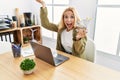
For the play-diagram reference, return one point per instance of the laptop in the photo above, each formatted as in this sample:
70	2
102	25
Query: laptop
44	53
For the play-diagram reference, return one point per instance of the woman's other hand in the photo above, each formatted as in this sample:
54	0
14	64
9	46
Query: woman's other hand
41	2
81	33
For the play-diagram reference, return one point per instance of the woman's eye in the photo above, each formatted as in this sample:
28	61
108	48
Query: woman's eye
65	16
69	17
72	17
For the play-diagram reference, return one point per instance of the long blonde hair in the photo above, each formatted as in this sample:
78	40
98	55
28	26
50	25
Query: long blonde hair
61	25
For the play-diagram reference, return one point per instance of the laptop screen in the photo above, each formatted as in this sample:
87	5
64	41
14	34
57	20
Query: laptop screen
44	53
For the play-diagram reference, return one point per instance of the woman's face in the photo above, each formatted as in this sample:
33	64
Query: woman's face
69	20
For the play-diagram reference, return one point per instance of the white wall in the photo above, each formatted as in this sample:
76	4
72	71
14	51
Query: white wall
7	7
86	8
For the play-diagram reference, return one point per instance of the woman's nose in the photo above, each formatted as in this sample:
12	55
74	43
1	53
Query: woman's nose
69	19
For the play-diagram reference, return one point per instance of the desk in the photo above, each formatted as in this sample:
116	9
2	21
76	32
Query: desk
73	69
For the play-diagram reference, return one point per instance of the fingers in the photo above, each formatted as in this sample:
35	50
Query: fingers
81	33
40	1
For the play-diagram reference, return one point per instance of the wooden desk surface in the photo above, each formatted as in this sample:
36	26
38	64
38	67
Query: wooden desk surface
73	69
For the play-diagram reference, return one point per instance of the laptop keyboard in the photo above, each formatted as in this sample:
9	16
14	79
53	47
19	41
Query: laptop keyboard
56	60
60	58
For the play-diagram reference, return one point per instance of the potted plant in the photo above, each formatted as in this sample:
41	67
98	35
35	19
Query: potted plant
26	39
27	65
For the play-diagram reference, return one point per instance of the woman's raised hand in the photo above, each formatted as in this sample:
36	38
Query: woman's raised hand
41	2
81	33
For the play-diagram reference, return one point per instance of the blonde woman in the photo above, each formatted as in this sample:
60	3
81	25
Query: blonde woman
69	38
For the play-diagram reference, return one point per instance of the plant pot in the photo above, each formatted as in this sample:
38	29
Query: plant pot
29	71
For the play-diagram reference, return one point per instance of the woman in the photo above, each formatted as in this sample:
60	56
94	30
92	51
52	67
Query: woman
70	38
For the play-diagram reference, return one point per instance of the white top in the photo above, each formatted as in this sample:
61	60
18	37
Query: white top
66	40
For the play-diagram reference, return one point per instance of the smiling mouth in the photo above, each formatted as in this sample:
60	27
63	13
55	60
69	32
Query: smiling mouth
69	25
